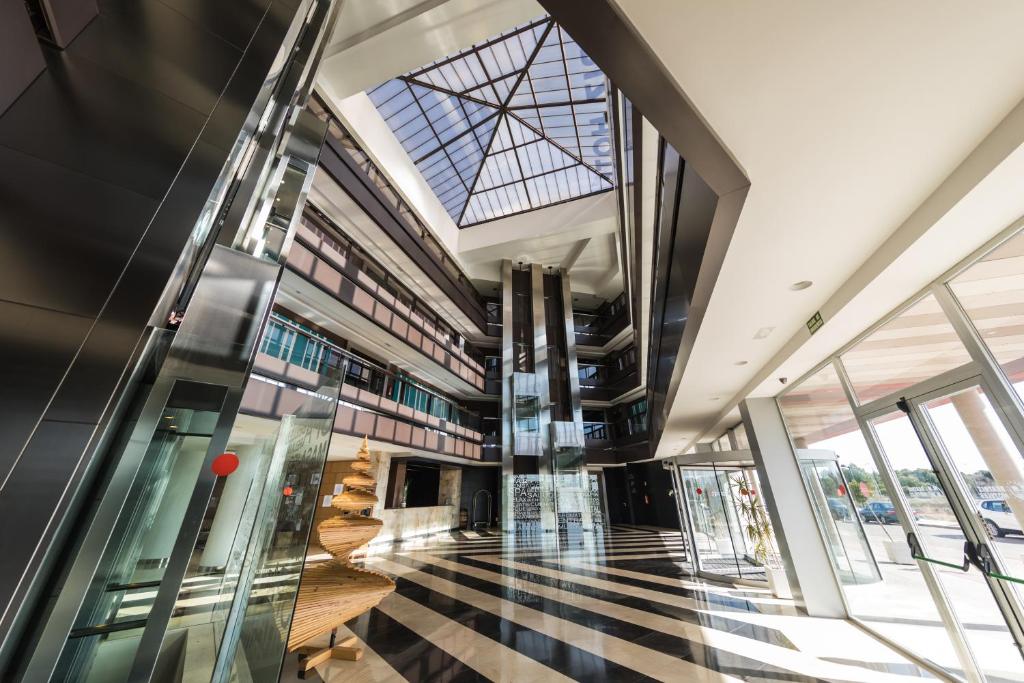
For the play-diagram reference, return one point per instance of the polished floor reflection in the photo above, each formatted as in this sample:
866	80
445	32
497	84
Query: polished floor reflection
616	607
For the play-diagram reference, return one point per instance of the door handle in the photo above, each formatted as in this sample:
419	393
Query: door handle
979	555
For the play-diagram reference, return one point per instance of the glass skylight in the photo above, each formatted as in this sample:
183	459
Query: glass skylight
512	124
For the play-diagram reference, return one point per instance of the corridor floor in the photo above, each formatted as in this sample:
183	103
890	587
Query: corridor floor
618	607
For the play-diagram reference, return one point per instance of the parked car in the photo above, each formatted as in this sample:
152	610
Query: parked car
879	511
998	518
840	512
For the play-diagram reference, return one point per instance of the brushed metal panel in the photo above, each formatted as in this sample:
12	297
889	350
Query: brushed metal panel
28	508
540	365
65	236
76	115
21	60
107	352
67	18
37	346
234	22
218	337
154	46
621	53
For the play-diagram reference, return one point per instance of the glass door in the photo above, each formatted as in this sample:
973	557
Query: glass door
721	505
978	463
949	454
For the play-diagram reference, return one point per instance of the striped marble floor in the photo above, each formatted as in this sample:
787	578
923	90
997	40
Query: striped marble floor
619	607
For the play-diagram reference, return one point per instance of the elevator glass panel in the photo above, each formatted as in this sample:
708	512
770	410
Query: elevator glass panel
105	637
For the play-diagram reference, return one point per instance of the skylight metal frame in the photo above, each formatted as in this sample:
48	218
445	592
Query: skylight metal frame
462	86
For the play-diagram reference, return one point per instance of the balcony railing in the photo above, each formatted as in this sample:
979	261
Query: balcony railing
301	350
612	376
341	139
334	272
601	326
626	430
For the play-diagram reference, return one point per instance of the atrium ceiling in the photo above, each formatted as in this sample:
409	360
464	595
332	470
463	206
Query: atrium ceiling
511	124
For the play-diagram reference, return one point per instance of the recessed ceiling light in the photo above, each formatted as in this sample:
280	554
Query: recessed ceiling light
763	332
803	284
742	362
716	398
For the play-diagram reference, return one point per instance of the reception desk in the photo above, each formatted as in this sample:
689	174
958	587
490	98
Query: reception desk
403	523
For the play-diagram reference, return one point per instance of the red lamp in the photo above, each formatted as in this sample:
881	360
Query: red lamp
224	464
288	490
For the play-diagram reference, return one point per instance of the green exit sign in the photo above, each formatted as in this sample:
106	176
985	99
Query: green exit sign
815	323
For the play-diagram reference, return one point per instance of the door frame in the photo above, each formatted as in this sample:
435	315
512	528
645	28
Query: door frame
909	401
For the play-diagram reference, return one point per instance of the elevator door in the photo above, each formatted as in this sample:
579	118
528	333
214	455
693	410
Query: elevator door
957	460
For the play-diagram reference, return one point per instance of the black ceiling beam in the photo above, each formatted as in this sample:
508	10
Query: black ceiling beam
614	44
504	109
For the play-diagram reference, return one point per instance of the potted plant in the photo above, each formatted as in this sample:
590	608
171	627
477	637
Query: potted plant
758	529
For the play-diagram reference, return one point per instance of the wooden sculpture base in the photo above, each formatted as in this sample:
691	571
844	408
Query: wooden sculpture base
310	657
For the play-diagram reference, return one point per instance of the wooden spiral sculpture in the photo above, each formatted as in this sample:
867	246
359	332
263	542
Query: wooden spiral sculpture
333	592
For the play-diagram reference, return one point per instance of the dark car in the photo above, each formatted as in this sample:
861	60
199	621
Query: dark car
837	506
878	511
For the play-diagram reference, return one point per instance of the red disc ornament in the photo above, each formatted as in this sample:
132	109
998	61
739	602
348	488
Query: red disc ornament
224	464
288	490
699	490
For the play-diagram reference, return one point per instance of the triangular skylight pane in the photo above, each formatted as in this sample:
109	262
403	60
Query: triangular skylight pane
514	123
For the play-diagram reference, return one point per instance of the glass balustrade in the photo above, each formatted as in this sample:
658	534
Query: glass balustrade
296	344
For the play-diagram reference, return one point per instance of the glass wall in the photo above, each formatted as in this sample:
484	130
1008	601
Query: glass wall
917	344
921	470
894	598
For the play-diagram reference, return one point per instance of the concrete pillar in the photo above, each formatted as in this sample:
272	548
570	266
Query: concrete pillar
229	508
804	553
1005	466
450	491
380	469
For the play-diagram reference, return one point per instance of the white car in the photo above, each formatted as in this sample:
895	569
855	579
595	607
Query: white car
999	518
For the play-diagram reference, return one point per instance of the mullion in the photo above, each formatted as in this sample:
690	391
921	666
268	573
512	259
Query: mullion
483	162
476	48
505	102
443	148
490	143
568	103
555	144
525	73
532	177
442	145
568	90
446	91
483	158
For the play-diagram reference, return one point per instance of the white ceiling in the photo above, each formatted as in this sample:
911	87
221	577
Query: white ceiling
846	117
579	235
379	39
